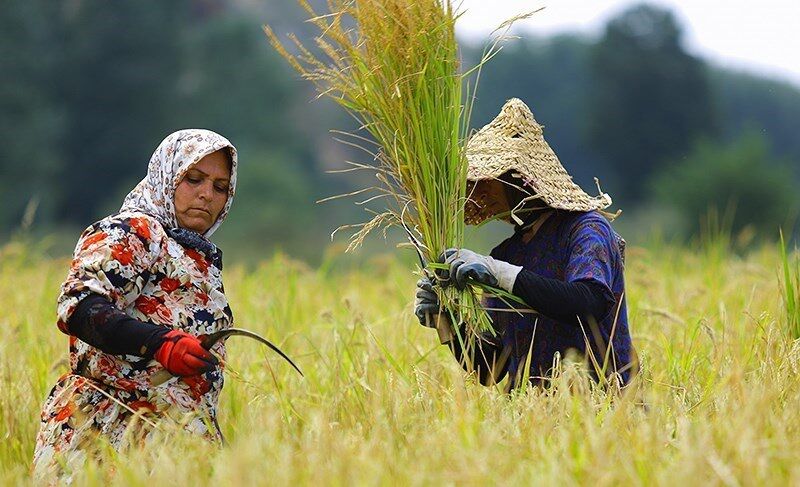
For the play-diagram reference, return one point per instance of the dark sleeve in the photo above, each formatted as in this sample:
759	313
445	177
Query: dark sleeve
102	325
115	254
594	258
485	358
562	301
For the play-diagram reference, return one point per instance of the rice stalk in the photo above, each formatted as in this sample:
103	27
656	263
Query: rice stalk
394	66
790	289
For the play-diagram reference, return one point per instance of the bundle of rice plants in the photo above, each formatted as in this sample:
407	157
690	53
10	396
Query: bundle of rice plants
394	66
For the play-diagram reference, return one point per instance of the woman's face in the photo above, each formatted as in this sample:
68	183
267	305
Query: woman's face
488	198
202	193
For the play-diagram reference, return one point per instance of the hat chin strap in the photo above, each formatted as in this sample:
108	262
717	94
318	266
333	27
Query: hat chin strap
519	206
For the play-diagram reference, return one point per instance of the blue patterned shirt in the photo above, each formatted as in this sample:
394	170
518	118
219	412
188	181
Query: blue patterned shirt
571	247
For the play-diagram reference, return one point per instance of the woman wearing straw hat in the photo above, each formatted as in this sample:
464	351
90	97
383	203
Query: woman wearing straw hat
144	285
563	260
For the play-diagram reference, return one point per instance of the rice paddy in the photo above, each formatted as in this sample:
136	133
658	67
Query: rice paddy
383	403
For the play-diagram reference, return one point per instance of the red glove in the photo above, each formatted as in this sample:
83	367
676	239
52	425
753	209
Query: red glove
182	354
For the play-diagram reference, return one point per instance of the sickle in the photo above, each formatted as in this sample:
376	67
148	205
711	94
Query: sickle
210	340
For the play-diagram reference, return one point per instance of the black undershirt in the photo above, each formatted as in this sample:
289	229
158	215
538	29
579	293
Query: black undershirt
102	325
566	302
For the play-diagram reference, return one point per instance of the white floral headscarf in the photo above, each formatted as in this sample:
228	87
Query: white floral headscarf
155	194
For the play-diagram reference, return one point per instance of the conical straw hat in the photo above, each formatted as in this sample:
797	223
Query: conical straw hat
514	142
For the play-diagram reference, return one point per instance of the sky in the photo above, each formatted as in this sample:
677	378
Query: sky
761	36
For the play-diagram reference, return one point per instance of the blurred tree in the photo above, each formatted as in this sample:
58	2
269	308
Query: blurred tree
551	75
741	176
116	79
233	82
31	116
87	90
747	101
648	99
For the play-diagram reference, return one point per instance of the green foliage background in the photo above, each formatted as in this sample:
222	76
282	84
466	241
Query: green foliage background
89	88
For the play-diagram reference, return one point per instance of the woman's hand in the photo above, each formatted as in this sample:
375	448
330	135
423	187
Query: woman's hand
429	312
466	265
426	304
182	354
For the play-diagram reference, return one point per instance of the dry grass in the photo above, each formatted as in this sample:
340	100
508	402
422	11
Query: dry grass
382	403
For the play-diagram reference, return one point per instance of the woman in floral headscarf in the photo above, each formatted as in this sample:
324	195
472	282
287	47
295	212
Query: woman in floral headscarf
144	284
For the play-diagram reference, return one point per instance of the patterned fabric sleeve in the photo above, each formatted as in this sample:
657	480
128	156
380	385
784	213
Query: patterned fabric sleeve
112	259
593	255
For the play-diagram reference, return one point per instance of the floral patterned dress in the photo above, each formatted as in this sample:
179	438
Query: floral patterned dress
132	260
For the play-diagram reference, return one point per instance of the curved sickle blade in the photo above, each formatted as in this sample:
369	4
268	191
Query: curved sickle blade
209	340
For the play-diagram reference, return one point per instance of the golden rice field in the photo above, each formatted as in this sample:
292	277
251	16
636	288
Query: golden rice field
717	402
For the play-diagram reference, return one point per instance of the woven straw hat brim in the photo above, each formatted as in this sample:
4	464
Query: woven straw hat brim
514	142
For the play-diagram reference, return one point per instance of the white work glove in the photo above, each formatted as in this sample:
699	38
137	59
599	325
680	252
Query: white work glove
466	265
